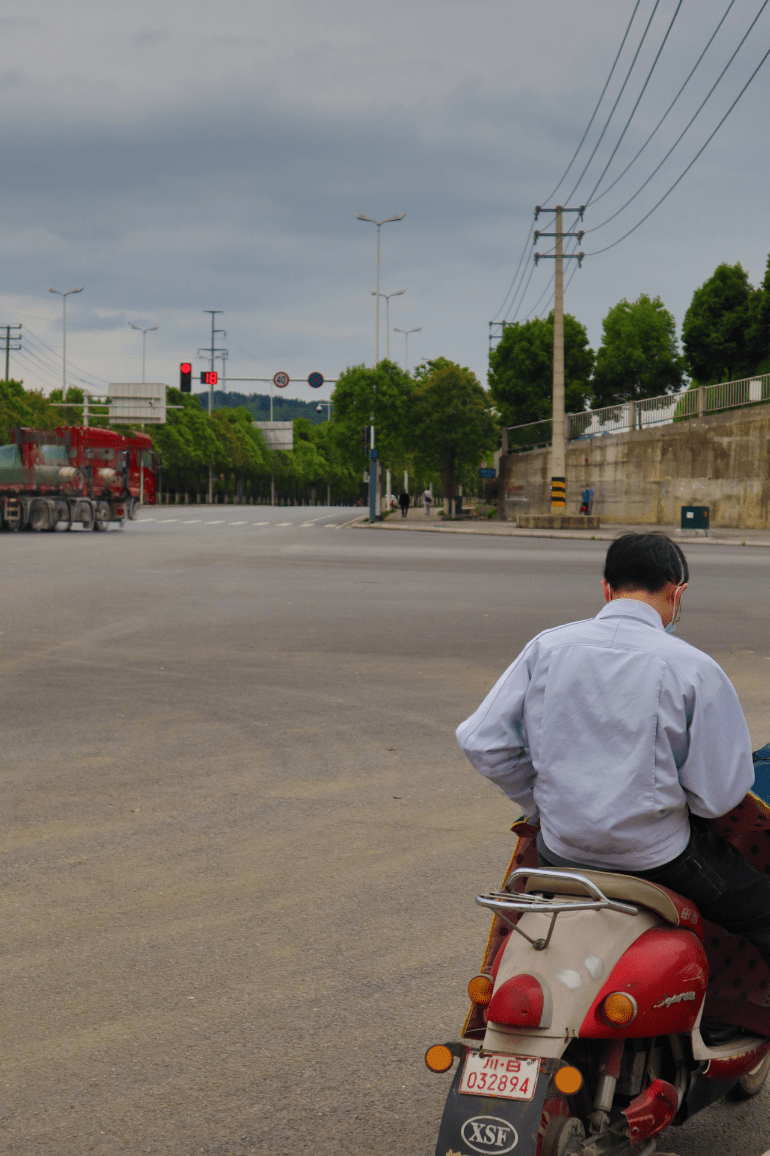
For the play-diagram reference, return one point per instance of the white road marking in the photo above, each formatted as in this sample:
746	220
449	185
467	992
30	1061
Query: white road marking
236	523
216	522
284	523
162	519
190	521
260	523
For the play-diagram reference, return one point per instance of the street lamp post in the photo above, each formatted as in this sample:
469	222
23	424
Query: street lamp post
64	297
372	452
406	333
387	297
379	224
144	332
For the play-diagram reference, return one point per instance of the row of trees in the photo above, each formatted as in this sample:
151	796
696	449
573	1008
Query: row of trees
436	424
725	335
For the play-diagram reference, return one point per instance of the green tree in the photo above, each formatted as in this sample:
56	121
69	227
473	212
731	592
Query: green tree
27	407
454	425
521	370
386	395
715	329
758	329
639	356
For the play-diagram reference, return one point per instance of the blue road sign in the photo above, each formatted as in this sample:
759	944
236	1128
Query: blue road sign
315	380
373	454
486	473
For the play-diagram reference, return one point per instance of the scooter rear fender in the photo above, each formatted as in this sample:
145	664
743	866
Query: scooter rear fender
583	950
491	1125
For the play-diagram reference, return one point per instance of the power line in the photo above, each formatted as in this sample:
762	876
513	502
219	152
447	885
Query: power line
513	281
516	278
593	200
58	358
617	100
692	162
638	99
687	127
524	294
552	194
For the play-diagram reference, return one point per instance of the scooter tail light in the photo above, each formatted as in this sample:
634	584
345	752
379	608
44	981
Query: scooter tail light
522	1001
480	989
619	1009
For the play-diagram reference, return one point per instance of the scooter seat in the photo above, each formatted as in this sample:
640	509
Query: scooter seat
667	904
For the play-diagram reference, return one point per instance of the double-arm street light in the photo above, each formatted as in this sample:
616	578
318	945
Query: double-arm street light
387	297
406	333
64	297
144	332
379	224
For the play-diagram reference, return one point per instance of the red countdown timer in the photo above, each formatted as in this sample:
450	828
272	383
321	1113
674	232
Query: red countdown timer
209	377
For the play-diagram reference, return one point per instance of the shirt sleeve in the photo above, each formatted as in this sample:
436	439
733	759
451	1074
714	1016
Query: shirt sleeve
494	737
718	770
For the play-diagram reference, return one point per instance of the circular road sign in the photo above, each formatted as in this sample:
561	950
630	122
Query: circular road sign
281	379
315	380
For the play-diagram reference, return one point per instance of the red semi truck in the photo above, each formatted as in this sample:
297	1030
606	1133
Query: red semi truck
74	474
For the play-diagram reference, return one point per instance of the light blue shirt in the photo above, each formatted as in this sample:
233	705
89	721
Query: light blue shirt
613	731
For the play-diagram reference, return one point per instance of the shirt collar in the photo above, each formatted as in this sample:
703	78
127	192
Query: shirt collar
632	608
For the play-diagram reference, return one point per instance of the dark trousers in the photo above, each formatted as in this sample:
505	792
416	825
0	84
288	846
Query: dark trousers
724	887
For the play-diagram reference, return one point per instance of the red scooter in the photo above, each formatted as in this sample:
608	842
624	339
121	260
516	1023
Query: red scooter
605	1011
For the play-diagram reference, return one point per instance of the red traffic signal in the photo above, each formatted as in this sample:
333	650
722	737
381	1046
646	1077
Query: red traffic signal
209	377
185	377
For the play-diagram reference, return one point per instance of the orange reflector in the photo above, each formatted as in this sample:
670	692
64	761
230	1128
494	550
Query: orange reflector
568	1081
439	1058
619	1008
480	989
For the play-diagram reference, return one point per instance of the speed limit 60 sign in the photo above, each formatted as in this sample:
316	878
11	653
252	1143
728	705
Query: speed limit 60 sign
281	379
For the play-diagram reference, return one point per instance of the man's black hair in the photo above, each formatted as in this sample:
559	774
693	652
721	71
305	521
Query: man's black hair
645	562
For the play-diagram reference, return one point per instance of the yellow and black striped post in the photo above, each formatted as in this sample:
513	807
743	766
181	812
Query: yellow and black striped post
558	494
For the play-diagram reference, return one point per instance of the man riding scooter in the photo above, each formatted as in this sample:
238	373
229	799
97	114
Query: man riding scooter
623	741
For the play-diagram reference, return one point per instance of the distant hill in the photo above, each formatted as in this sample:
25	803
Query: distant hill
284	408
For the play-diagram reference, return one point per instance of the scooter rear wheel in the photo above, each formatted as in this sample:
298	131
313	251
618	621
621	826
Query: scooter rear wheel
753	1082
564	1135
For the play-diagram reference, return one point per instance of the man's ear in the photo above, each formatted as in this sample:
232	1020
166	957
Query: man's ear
607	590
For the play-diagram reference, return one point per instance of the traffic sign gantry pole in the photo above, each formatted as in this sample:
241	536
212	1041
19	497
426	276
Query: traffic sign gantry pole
558	441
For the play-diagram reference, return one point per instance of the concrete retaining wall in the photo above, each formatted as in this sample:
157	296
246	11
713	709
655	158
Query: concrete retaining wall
646	476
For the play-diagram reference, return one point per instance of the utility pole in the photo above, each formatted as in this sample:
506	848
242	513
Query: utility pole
558	440
212	351
8	346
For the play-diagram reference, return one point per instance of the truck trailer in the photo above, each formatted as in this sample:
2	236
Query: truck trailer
92	476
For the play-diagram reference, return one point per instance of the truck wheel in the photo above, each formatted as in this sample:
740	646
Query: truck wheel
62	514
39	516
753	1082
101	516
84	513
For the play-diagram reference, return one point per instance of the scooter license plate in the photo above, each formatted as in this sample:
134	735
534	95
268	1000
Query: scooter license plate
491	1074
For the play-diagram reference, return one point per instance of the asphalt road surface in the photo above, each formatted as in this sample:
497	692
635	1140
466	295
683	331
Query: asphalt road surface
240	845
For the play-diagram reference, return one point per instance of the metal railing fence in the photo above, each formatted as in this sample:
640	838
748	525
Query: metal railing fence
648	411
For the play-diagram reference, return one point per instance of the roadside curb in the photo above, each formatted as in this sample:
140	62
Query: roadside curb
515	532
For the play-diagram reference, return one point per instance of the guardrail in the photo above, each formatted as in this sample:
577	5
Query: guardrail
649	411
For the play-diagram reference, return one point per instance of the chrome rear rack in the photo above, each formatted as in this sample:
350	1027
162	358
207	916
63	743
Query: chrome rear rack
506	903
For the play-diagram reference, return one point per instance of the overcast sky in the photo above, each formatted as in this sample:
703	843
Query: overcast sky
176	156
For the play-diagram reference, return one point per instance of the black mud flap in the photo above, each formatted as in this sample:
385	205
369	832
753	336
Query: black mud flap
490	1125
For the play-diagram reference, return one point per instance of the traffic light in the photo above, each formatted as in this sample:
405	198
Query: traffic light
185	377
209	377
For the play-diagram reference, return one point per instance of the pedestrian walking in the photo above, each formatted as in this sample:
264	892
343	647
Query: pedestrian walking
403	501
588	500
427	501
